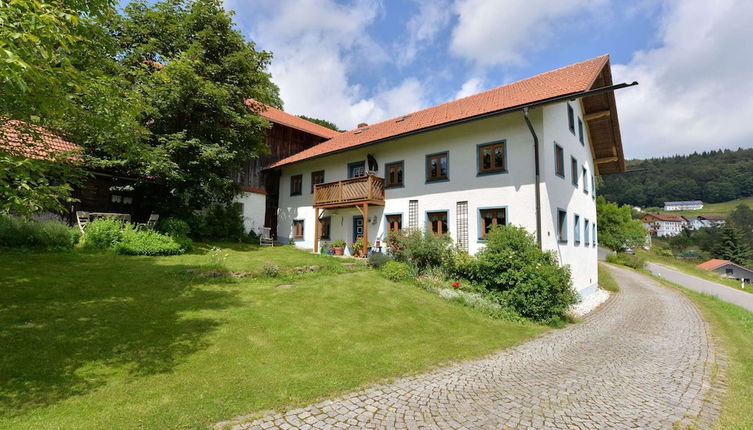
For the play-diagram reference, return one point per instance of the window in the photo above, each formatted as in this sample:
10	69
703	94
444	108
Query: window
394	172
413	214
492	158
438	222
728	271
394	222
580	132
570	118
593	186
574	169
357	169
491	218
317	178
324	227
559	161
298	229
561	225
586	232
593	227
296	184
576	228
585	180
437	168
461	224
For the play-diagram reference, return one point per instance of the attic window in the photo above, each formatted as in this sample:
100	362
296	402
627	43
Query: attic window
361	130
402	118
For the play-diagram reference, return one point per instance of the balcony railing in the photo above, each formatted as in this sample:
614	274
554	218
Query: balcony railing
348	192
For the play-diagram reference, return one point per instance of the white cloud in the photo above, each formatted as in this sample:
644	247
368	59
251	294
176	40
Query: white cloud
470	87
432	17
694	91
499	32
318	45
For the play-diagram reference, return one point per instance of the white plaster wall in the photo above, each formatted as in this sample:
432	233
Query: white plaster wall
560	193
513	189
254	208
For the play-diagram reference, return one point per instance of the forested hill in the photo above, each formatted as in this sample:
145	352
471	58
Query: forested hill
714	176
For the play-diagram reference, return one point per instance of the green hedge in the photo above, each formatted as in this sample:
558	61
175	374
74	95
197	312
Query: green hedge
110	234
49	234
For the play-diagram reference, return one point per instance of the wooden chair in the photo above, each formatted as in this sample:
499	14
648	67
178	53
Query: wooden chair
150	223
83	219
266	237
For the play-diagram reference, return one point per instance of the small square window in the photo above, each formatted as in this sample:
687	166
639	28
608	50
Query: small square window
394	174
394	222
574	169
296	184
580	132
298	229
324	227
316	178
559	161
492	158
576	228
491	218
437	167
438	222
570	118
561	225
593	228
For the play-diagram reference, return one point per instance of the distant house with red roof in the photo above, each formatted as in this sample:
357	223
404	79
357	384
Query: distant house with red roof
664	225
525	153
728	269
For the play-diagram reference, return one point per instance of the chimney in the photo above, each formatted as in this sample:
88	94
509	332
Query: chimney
362	125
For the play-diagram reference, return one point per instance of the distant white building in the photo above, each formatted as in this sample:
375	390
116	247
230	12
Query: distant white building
663	225
702	221
683	206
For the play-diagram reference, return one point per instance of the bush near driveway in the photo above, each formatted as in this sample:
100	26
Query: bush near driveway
514	271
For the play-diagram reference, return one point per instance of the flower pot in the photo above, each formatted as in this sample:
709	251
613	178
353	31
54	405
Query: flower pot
338	250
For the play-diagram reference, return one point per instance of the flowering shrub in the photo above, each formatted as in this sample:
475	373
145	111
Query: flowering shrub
420	249
456	284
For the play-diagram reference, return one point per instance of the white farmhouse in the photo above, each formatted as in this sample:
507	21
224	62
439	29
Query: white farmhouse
692	205
525	153
663	225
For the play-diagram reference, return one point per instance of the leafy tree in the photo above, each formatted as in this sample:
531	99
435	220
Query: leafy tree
742	218
322	122
55	58
195	71
732	246
617	228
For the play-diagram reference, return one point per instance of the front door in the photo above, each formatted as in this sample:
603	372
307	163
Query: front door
357	227
357	169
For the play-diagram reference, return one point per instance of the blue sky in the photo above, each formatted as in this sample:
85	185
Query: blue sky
351	61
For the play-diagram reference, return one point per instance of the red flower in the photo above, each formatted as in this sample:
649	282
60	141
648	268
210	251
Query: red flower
455	284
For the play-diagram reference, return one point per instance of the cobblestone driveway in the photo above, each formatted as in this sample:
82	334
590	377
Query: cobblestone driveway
643	360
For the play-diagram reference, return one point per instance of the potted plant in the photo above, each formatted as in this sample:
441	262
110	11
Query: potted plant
323	248
357	247
338	246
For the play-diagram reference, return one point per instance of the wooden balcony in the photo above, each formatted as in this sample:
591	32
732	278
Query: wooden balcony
367	190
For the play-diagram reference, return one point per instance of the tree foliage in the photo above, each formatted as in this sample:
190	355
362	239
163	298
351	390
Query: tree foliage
195	71
617	228
322	122
714	176
732	246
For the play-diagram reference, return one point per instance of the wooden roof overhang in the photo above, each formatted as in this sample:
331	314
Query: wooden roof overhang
603	126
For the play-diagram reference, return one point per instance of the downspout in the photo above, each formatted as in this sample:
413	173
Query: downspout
537	173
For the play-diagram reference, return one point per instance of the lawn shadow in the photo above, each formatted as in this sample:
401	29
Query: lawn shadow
203	248
69	321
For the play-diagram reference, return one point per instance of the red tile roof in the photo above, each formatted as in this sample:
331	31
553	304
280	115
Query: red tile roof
712	264
566	80
27	140
279	117
666	217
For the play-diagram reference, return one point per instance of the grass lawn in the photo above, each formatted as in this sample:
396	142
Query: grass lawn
689	268
606	281
93	341
732	327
